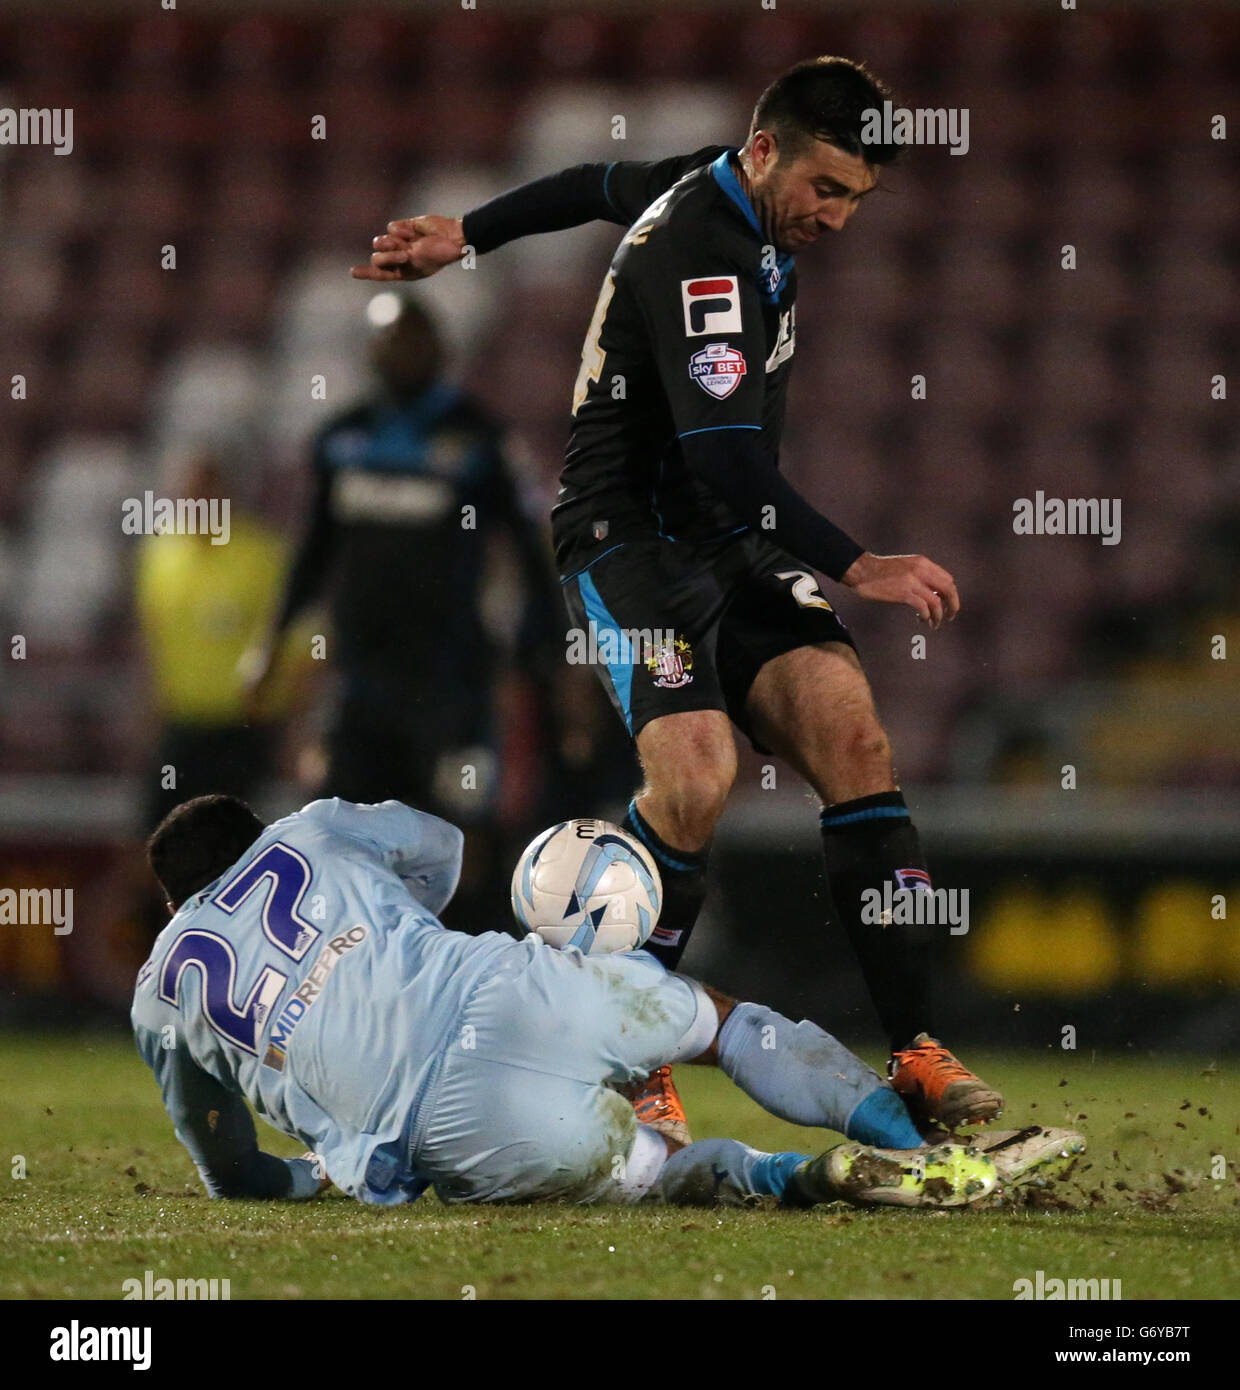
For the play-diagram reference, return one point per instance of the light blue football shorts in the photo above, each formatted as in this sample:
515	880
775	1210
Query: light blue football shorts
521	1111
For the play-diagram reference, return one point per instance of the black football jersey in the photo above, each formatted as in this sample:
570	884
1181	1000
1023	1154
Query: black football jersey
693	331
394	480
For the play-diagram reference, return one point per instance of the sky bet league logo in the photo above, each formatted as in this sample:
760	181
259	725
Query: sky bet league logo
717	369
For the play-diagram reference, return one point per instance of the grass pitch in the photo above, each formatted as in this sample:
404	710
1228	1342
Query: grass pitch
109	1193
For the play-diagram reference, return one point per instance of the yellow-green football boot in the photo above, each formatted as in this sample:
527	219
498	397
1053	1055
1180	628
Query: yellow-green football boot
947	1175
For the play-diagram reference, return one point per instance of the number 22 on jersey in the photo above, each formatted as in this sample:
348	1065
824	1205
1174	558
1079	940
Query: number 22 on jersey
283	876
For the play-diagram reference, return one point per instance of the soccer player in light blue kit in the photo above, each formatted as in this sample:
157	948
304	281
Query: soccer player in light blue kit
305	971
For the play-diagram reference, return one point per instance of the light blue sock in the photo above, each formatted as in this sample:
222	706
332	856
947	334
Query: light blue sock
802	1074
882	1119
723	1171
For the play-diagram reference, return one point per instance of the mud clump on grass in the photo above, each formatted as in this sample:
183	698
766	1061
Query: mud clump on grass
1149	1200
1043	1199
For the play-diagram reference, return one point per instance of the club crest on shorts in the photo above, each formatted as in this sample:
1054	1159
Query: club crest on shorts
717	368
671	664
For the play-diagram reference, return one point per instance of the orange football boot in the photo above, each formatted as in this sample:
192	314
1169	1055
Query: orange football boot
656	1103
939	1092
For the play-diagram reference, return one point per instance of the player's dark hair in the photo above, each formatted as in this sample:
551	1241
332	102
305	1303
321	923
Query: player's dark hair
824	99
197	840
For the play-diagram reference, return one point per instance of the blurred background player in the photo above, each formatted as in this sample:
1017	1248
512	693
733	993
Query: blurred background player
411	489
200	606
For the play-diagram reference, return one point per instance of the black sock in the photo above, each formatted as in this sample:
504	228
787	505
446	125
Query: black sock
866	842
684	888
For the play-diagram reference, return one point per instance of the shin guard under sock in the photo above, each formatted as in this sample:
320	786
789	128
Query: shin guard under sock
869	842
684	888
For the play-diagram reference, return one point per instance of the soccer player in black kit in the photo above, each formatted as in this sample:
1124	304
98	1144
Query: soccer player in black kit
673	518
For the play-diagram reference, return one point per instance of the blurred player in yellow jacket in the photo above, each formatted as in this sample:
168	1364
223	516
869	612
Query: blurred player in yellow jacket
202	600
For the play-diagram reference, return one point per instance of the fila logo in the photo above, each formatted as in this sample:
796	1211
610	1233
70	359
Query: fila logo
711	306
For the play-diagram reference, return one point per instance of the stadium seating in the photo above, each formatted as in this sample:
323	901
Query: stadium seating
198	134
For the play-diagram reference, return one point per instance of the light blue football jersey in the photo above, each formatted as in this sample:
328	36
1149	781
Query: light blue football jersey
314	979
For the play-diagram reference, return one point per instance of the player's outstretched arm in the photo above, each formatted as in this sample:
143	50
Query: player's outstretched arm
217	1128
413	248
721	434
734	464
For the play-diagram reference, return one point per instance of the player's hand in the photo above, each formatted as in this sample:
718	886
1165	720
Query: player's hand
927	588
413	248
324	1181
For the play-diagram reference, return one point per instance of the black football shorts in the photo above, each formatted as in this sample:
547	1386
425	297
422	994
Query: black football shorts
679	625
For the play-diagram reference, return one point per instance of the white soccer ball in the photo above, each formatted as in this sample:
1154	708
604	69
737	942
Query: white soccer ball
589	884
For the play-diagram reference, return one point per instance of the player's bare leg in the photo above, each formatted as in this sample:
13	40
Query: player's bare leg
813	707
689	762
815	704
